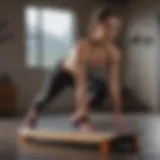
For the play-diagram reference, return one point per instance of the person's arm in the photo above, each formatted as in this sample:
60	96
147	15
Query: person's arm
114	80
80	79
114	87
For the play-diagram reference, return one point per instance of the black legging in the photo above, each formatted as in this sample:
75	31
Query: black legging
59	79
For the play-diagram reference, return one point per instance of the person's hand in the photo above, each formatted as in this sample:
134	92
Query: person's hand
83	123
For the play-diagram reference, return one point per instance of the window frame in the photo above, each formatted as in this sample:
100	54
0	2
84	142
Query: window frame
39	43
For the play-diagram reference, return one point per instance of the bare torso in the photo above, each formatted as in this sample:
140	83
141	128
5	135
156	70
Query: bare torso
96	56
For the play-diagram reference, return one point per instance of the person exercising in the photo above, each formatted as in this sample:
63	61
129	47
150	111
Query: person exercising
96	53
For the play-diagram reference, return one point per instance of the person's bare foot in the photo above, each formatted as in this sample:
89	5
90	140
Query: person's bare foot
31	119
83	123
87	127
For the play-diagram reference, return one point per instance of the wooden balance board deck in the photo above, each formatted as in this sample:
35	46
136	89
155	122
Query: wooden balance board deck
106	142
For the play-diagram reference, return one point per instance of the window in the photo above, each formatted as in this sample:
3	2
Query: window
50	33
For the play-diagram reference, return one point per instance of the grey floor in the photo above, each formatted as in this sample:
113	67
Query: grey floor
147	127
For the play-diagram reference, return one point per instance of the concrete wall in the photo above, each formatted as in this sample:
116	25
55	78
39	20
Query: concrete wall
12	53
141	60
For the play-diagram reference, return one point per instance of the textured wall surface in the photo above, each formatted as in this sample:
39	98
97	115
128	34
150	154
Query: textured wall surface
141	58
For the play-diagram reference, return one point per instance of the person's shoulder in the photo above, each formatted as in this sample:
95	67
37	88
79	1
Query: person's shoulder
82	48
114	53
